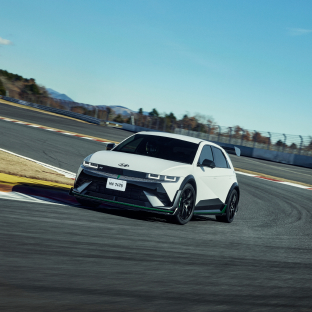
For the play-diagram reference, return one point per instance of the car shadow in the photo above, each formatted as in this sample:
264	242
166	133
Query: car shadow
58	195
140	215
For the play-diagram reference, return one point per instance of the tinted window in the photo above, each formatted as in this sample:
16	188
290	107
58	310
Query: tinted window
219	158
159	147
206	153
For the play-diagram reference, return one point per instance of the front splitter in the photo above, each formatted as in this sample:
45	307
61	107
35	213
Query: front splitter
168	211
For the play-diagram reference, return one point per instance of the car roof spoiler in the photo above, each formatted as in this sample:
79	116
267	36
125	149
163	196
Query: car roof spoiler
231	149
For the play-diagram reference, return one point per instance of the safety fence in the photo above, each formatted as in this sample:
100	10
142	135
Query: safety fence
285	143
280	142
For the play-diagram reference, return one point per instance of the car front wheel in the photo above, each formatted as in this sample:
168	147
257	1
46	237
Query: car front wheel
186	205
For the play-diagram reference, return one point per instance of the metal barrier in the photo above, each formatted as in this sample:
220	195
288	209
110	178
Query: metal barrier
55	110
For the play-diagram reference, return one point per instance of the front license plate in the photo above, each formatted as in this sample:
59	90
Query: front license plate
115	184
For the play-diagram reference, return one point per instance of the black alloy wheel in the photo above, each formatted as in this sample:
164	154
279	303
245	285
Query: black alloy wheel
231	208
186	205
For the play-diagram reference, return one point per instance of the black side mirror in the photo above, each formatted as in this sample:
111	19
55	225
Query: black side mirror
110	146
208	163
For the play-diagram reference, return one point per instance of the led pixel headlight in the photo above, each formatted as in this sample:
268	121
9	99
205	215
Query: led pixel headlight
90	164
162	177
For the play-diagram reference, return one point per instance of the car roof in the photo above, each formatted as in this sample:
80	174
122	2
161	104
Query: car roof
177	136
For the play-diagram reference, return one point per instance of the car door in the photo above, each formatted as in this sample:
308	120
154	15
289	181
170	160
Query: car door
223	174
207	198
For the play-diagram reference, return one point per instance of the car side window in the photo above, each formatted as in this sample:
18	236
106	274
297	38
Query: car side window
206	153
219	158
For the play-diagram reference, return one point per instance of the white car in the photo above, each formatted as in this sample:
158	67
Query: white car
175	175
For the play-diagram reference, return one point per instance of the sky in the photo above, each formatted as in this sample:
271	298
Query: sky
246	63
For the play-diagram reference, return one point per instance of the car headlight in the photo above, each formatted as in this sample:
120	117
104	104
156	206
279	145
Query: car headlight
86	162
162	177
90	164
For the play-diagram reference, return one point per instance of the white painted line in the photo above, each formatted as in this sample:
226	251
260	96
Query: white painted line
27	198
295	185
54	130
246	174
66	173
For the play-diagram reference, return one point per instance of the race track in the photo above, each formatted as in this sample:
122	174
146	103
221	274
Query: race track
59	257
15	139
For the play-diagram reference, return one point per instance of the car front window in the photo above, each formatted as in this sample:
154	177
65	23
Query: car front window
159	147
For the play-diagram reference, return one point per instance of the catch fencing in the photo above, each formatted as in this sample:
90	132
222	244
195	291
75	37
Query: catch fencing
279	142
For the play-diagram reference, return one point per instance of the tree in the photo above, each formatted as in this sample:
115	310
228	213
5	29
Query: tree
154	113
171	116
280	143
118	118
140	111
238	132
33	88
2	88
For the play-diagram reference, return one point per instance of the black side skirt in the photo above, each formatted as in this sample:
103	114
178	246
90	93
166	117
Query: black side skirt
209	206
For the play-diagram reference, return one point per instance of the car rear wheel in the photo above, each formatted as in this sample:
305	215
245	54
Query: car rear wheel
231	208
186	205
87	203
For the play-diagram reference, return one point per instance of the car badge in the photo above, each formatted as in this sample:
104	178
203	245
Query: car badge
123	165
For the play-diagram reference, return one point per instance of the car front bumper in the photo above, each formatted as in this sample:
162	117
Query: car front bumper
139	194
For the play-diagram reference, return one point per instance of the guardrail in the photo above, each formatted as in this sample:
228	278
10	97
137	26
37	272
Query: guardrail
55	110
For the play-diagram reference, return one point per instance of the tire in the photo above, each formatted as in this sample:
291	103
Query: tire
186	205
87	203
231	208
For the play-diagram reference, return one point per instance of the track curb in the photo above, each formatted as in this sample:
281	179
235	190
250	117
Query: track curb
58	130
34	187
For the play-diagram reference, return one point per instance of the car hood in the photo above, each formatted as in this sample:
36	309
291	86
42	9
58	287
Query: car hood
136	162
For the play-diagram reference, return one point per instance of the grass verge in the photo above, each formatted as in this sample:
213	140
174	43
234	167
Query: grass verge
12	165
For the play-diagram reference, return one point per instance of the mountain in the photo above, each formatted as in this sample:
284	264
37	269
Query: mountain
124	111
57	95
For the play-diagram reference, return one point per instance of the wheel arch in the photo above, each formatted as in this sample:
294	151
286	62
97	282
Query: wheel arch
191	180
233	187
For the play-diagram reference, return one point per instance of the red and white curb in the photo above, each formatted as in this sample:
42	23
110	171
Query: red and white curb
72	175
274	180
54	130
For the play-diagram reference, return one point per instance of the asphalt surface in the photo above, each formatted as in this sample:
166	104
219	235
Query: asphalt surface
62	123
24	136
66	258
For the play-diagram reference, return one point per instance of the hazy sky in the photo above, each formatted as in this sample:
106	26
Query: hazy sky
242	62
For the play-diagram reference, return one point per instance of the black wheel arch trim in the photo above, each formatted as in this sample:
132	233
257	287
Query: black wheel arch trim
189	179
234	186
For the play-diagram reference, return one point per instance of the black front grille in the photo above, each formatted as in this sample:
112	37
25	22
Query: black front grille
110	169
133	194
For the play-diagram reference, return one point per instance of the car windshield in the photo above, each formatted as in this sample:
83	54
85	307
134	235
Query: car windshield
159	147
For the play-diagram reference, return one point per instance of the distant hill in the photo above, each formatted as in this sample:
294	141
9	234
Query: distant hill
57	95
124	111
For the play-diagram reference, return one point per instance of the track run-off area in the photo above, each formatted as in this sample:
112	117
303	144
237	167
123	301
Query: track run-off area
67	257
